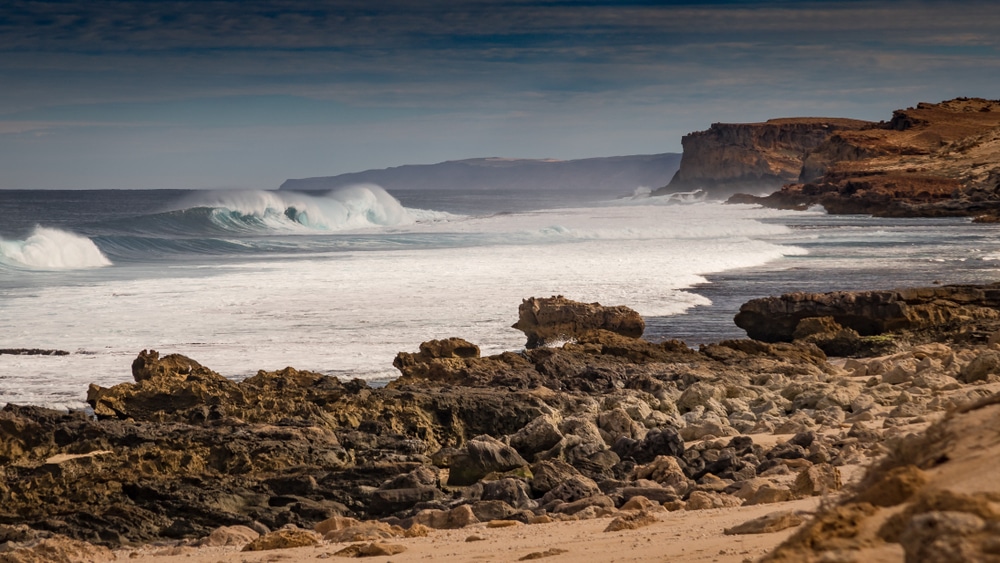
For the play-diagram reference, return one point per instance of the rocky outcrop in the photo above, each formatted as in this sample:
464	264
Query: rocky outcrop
782	319
605	423
757	157
932	160
928	497
559	319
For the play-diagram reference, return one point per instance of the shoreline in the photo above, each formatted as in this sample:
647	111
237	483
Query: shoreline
531	449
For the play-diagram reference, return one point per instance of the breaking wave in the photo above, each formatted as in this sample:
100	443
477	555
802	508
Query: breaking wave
352	208
52	249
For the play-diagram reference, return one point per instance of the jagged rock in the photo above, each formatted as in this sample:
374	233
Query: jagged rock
491	510
816	480
539	435
774	319
948	537
632	521
513	492
767	524
657	442
230	536
980	368
666	471
483	455
552	319
371	549
701	500
55	549
592	503
549	474
283	539
363	531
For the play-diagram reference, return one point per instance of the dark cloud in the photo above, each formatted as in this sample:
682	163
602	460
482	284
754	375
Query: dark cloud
399	81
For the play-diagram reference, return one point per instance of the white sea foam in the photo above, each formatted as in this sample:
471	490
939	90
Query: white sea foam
355	207
52	249
349	313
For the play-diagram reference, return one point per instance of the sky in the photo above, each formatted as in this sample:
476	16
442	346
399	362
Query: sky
246	93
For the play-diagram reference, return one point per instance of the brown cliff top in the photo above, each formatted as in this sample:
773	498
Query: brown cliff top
929	160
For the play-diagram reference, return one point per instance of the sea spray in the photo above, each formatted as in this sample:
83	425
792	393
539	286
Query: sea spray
52	249
351	208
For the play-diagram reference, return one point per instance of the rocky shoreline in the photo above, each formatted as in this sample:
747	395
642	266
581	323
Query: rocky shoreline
606	426
931	160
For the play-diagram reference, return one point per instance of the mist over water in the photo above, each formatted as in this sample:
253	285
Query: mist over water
340	282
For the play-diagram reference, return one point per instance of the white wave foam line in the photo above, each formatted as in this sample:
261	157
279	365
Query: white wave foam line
52	249
355	207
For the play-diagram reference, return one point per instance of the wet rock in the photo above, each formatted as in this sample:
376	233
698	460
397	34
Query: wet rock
574	488
546	320
384	502
487	510
945	537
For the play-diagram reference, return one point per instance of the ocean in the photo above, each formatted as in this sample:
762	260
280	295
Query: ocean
340	282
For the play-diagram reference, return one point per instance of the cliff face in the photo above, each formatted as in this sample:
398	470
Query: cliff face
612	174
731	157
932	160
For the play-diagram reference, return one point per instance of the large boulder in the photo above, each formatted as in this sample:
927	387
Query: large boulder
547	320
482	455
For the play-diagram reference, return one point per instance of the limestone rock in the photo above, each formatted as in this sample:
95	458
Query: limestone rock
769	523
230	536
546	320
55	549
283	539
483	455
362	531
774	319
631	521
701	500
372	549
817	480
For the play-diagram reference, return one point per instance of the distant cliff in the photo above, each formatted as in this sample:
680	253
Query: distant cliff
612	174
932	160
733	157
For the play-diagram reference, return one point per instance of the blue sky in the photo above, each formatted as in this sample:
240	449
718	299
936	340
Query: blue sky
226	93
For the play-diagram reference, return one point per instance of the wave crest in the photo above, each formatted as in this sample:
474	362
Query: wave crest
52	249
356	207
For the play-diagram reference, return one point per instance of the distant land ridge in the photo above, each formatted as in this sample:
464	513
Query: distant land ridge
617	173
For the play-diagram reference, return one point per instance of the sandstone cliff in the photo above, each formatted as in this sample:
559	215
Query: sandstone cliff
731	157
932	160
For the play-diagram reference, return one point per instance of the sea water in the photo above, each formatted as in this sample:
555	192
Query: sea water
340	282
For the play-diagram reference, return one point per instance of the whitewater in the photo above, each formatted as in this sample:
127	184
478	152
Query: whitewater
340	282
